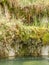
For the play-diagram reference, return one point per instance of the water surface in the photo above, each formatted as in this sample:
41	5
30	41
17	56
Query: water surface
25	61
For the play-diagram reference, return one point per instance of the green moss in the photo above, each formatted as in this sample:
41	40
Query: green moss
46	38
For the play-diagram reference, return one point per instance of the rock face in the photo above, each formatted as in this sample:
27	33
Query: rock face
45	50
11	53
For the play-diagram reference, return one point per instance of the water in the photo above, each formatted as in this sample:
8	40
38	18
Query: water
24	61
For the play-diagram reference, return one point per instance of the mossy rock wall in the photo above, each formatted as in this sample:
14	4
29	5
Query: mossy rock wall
24	27
22	40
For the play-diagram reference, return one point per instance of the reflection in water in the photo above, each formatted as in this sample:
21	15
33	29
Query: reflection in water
24	61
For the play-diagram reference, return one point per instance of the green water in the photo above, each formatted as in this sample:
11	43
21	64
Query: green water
24	61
